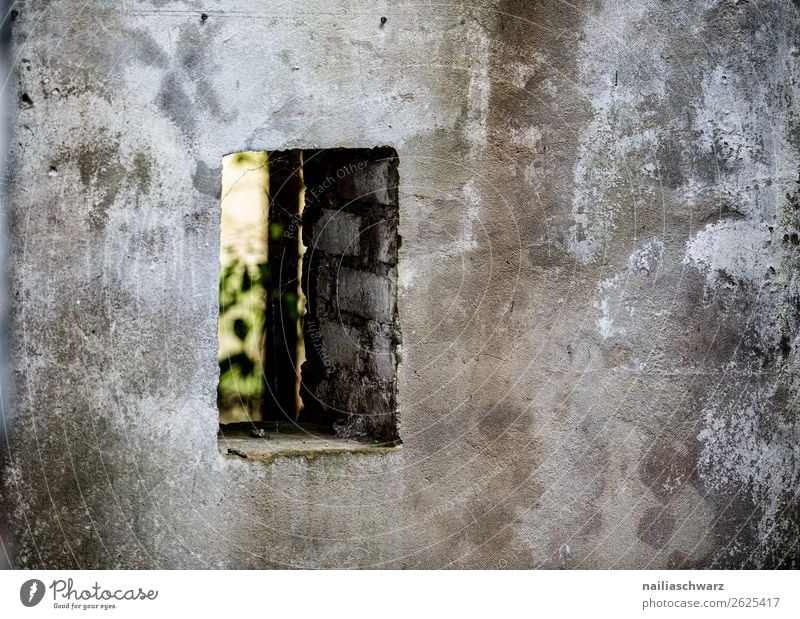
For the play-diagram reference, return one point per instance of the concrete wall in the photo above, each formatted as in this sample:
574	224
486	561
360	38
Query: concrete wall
597	284
5	399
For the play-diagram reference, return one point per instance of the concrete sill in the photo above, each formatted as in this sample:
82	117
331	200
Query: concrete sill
266	441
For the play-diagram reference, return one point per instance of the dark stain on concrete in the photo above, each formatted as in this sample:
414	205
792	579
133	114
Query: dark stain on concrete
175	103
656	526
94	158
147	51
207	180
143	170
193	51
207	97
671	160
102	174
666	468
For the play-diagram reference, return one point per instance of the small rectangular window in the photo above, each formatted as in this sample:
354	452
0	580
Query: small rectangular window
308	328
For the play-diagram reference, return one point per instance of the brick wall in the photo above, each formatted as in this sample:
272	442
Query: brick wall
350	280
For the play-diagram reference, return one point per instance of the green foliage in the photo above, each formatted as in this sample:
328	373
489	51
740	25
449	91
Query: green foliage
241	333
275	231
250	159
290	306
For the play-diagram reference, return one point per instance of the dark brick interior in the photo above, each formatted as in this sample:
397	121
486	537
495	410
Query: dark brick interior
350	281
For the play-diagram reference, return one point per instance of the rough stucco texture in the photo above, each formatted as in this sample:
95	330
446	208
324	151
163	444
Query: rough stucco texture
598	284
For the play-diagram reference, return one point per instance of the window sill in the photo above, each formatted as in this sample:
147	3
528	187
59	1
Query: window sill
266	441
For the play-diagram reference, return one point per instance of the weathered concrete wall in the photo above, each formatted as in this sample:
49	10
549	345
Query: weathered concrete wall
598	287
5	395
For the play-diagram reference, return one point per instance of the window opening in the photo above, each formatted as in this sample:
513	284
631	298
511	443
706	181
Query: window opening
308	326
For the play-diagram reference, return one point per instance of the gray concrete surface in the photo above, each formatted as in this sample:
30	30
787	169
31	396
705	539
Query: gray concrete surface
598	283
5	392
